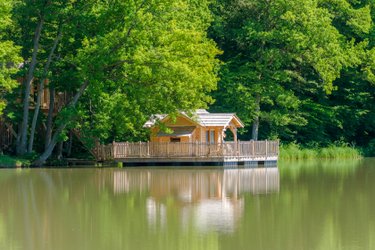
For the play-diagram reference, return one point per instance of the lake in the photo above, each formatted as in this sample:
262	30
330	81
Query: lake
298	205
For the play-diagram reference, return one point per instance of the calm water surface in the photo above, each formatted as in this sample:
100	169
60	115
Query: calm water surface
297	206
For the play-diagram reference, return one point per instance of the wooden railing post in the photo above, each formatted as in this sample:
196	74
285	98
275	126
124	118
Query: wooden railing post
114	149
252	147
278	147
266	148
125	147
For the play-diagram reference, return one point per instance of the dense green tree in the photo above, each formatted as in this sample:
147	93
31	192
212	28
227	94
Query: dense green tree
9	53
348	113
283	61
40	26
150	56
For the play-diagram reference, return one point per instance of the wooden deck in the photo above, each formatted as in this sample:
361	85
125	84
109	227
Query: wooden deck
158	153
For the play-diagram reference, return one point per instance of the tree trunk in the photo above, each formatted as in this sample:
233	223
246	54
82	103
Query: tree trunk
255	129
50	116
41	89
60	150
48	151
21	147
70	144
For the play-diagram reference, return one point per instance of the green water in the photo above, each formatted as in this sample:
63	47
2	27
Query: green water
310	205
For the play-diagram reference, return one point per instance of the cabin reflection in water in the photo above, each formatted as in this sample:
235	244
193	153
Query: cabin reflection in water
210	199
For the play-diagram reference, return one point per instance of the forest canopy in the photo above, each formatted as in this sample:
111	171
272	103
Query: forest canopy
301	70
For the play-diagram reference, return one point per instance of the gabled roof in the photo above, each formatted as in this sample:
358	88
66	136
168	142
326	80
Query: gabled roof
203	118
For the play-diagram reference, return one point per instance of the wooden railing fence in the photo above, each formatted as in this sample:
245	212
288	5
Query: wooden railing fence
121	150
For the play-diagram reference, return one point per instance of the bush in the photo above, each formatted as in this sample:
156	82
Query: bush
370	149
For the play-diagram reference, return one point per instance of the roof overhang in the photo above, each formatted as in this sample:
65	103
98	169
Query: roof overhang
177	131
236	121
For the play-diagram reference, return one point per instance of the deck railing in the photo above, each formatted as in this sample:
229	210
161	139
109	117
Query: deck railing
122	150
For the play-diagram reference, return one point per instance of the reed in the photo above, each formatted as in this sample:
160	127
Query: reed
294	151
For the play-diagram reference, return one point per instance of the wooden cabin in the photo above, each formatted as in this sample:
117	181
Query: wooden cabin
198	138
201	126
60	99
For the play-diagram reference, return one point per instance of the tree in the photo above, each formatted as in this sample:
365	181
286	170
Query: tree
9	53
156	59
273	52
346	115
40	22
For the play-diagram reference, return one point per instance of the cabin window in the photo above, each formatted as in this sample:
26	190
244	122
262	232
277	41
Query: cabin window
175	139
210	136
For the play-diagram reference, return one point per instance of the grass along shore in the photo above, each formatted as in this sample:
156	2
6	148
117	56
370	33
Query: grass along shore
13	162
295	152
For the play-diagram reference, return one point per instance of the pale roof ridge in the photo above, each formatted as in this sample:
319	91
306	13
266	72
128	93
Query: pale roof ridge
202	116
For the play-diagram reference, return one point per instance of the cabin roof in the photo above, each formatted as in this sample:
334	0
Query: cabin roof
203	118
218	119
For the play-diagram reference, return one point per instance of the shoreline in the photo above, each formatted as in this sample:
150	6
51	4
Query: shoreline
288	152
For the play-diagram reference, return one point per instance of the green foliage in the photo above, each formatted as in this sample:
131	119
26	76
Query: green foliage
161	61
136	58
369	150
272	48
10	162
9	53
310	63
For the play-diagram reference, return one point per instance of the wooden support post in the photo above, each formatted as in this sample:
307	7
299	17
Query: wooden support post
266	148
126	149
253	148
148	148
